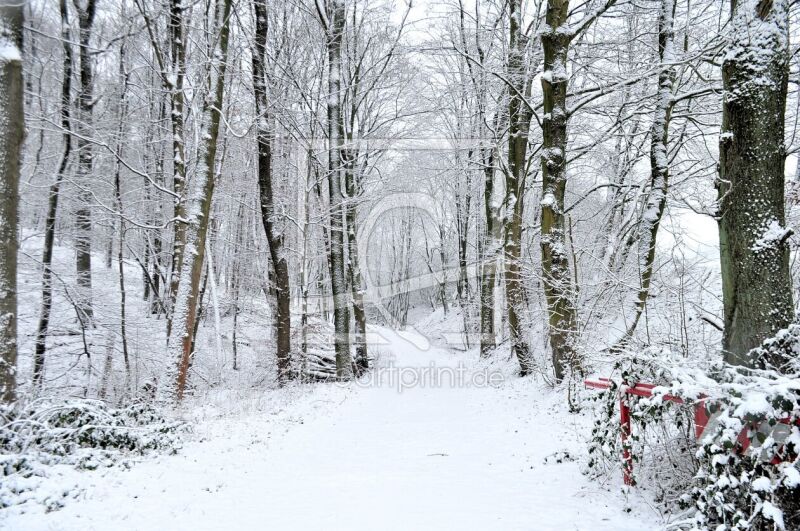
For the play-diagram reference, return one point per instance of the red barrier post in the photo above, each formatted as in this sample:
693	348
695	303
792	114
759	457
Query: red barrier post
625	433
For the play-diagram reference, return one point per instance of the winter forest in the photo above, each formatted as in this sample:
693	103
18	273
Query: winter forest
395	264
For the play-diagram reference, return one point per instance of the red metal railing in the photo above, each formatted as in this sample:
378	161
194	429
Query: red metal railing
643	390
701	420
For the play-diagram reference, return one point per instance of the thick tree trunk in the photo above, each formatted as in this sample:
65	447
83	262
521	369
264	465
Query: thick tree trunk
52	204
268	211
83	215
518	127
198	214
12	132
756	284
556	273
341	298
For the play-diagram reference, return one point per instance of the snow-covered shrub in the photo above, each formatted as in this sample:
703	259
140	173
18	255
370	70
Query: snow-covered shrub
758	488
85	434
661	442
744	467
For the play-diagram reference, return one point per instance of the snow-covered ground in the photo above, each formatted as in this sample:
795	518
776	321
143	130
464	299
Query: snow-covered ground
419	444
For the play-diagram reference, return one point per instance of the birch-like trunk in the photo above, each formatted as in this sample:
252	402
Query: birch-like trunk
756	284
198	214
12	132
175	85
264	136
491	248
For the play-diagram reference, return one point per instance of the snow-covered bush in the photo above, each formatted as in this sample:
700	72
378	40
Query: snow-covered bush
758	488
743	472
661	443
85	434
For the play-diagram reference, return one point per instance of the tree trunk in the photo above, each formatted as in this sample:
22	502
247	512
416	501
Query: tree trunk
118	196
443	261
659	163
174	84
756	284
305	279
463	207
52	204
198	214
356	284
492	244
334	21
518	125
556	273
264	137
83	216
12	132
156	296
200	313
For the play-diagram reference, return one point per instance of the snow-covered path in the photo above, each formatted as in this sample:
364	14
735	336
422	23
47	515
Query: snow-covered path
364	457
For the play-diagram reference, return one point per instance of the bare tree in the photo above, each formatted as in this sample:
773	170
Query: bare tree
332	16
264	135
83	216
519	118
181	337
659	160
52	204
557	275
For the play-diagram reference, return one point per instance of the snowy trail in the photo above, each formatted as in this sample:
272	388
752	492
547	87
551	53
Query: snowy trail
364	457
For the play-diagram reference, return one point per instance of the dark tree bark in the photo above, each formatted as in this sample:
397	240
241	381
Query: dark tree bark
121	222
557	275
519	117
756	284
174	83
334	21
12	133
83	215
264	136
158	275
172	69
354	269
52	205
